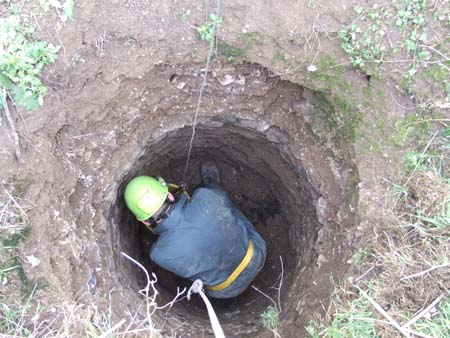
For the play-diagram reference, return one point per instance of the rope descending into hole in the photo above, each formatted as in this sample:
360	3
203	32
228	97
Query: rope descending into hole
212	43
197	287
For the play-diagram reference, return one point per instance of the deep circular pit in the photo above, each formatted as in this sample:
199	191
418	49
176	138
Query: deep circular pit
292	205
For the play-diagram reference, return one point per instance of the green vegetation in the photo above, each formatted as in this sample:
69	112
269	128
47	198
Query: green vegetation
431	208
269	318
359	45
15	287
249	39
67	7
245	41
279	56
21	63
404	269
338	116
402	32
229	51
360	258
353	318
206	30
11	320
22	58
437	327
412	125
365	43
10	264
433	160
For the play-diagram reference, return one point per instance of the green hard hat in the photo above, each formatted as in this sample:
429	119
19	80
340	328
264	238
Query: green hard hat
144	195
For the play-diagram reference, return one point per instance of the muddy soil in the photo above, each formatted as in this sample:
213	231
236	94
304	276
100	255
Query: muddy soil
121	102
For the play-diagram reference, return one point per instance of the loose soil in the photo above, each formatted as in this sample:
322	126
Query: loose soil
121	103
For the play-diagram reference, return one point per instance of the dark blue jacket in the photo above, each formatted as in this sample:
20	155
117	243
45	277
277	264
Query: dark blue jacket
206	239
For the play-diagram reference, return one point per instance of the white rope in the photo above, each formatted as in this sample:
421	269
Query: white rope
197	287
205	76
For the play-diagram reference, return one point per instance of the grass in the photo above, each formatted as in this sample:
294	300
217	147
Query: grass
403	283
353	318
360	258
438	326
10	264
14	228
269	318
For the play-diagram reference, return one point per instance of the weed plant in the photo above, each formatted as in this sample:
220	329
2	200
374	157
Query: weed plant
206	30
403	33
22	58
21	64
269	318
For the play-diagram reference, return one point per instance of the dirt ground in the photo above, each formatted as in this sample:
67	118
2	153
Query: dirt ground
121	102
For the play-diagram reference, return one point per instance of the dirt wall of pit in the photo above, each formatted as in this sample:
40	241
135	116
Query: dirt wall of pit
319	176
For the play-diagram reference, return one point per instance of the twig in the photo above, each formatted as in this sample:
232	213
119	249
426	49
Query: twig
149	301
21	323
64	48
278	303
446	58
265	295
444	66
391	61
365	273
281	284
174	300
8	9
391	320
114	328
128	332
132	318
15	137
152	306
24	214
425	271
422	313
275	333
427	120
20	113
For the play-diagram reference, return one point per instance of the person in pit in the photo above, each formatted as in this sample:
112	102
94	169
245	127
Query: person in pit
204	237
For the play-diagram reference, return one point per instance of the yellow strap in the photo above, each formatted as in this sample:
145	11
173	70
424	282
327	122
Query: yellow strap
241	267
176	187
